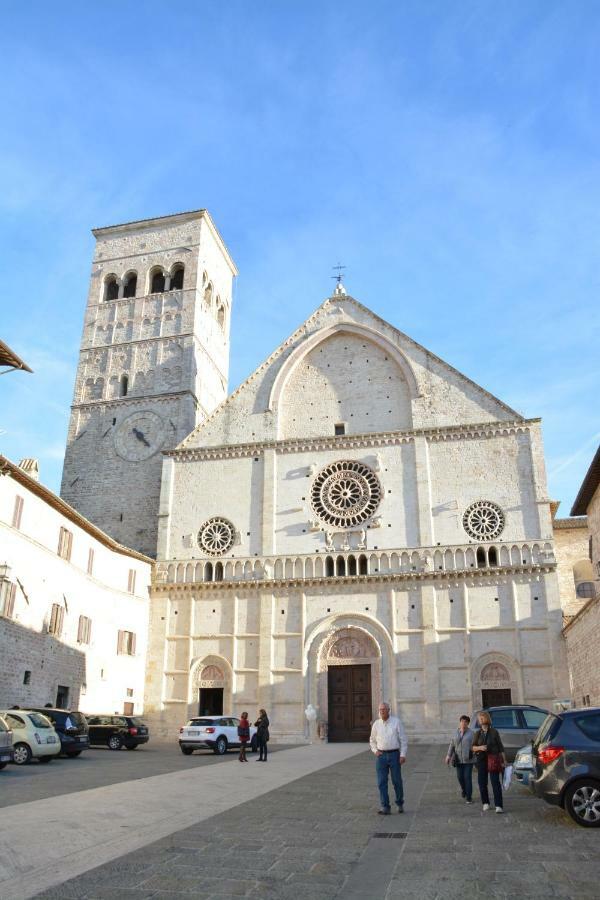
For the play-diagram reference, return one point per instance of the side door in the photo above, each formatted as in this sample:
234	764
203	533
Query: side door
506	720
18	726
94	729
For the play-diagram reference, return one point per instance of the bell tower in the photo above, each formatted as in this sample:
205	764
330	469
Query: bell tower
153	364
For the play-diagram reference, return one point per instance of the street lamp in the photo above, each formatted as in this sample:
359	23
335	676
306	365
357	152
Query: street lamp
4	572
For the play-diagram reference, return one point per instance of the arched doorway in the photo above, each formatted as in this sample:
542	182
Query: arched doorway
211	688
495	681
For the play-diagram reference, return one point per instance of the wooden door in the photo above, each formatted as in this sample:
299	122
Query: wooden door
496	697
350	711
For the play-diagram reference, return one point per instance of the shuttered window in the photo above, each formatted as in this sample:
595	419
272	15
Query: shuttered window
17	512
57	617
9	601
65	543
90	566
131	581
84	630
126	643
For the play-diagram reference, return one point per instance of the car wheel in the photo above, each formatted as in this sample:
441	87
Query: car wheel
22	754
187	751
46	759
132	747
582	802
254	744
221	746
114	742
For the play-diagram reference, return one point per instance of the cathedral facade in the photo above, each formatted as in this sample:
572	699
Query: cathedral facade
357	521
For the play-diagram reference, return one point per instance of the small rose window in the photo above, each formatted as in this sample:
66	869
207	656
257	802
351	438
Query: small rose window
483	520
216	536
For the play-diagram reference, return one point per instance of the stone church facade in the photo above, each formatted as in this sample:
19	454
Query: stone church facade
357	520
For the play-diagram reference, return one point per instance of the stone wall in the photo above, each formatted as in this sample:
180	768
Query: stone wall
582	635
571	546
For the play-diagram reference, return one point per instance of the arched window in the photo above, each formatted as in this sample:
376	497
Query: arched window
220	313
340	566
481	560
329	567
219	571
208	572
177	278
586	589
157	282
111	288
363	565
208	294
123	386
351	565
492	556
130	284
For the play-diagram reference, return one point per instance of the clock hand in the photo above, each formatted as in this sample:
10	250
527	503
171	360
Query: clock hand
140	436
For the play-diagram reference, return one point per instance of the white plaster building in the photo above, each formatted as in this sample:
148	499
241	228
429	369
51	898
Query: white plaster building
358	520
73	604
153	363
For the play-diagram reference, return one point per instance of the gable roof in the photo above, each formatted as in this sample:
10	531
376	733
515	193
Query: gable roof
302	330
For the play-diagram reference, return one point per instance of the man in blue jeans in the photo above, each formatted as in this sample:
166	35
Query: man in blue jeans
388	743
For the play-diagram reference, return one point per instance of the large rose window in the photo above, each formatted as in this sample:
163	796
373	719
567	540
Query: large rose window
345	493
216	536
483	520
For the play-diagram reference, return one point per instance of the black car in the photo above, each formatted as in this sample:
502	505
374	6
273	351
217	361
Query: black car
70	726
115	731
566	757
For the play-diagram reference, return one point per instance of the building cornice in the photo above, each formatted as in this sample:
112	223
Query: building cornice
495	575
355	441
570	522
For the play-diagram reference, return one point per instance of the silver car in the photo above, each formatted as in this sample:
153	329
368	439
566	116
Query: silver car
517	724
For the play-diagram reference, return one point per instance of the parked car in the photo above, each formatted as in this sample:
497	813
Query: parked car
216	733
517	724
6	743
116	732
566	755
33	736
523	765
71	727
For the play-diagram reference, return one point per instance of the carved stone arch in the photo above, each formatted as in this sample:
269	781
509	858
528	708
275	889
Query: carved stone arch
333	641
496	671
212	665
362	331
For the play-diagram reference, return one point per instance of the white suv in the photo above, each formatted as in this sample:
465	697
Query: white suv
33	736
216	733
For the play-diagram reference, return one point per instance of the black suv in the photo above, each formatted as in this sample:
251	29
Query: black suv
118	731
566	757
70	726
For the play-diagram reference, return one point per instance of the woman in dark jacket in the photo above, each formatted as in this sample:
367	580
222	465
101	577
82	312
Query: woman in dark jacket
491	759
244	735
262	734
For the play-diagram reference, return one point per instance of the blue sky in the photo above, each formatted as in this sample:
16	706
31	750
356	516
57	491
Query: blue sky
447	153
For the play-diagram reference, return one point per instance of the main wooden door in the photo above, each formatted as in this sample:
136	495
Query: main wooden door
350	711
496	697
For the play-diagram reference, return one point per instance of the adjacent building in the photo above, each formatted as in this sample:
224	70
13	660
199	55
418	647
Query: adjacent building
582	631
73	604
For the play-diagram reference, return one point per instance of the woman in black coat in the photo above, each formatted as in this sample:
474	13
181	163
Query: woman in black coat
491	760
262	734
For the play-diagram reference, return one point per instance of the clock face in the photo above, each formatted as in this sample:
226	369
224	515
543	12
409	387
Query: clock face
140	436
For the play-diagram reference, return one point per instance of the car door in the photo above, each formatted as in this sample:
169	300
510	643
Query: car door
231	731
94	729
506	720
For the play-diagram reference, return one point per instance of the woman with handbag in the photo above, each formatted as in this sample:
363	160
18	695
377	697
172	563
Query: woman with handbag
460	755
491	760
244	735
262	734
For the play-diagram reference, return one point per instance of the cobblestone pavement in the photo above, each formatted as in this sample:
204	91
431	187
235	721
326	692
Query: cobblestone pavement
317	838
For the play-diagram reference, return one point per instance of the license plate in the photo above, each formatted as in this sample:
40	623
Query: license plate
50	740
82	739
4	758
193	733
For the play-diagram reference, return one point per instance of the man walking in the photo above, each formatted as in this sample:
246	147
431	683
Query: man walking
389	744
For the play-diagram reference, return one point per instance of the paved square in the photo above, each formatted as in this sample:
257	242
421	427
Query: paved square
315	838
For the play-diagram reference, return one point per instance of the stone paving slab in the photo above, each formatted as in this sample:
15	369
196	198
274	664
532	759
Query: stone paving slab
314	838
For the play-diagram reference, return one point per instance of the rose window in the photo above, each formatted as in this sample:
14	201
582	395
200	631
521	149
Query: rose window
483	520
216	536
346	493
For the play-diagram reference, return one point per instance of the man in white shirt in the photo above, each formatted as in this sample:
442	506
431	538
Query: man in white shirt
389	744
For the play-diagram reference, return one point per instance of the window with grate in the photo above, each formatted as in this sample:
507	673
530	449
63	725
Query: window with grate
65	543
84	630
17	512
57	617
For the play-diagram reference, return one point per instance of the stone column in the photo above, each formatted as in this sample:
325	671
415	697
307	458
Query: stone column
431	674
422	482
268	504
265	641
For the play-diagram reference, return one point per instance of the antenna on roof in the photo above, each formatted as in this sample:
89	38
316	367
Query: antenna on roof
339	288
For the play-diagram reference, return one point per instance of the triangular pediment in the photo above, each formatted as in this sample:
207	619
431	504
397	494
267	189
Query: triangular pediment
346	361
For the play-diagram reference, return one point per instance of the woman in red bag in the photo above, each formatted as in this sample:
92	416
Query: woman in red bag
244	735
491	759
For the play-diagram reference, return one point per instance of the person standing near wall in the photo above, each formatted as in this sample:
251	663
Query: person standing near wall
262	734
460	755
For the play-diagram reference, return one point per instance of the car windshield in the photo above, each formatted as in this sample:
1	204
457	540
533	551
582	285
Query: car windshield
136	722
39	720
201	722
3	725
77	719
